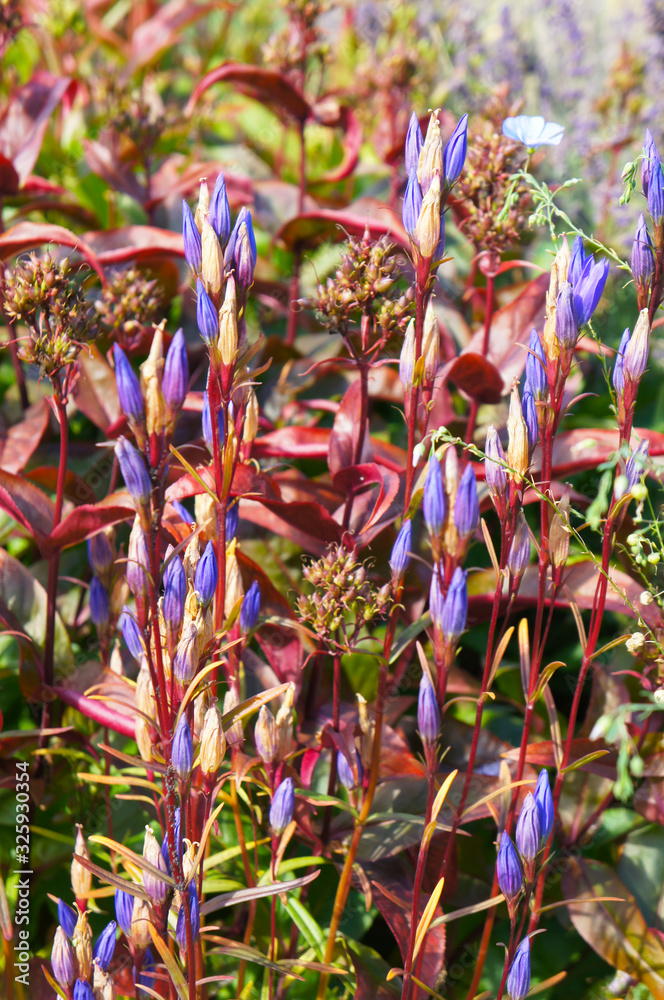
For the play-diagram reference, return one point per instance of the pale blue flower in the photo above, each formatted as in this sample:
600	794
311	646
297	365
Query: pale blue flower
533	131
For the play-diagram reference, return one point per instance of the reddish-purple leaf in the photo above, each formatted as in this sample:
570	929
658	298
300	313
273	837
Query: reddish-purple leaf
24	121
163	30
309	525
326	224
247	480
506	356
21	440
271	88
313	442
76	489
578	450
177	176
87	520
29	235
344	438
352	141
117	246
95	392
26	504
118	713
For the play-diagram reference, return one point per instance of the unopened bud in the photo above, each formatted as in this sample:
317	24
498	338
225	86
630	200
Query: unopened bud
62	960
213	743
82	942
431	156
517	450
636	352
559	531
407	358
81	878
265	735
234	589
228	325
155	887
234	733
212	259
203	206
284	724
151	374
250	429
430	344
427	233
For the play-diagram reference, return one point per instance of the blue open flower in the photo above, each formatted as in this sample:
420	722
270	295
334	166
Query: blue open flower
533	131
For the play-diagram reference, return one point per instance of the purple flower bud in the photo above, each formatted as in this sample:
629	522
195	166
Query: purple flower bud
536	367
83	990
244	216
175	379
454	156
124	909
63	959
643	259
436	600
528	830
428	714
650	154
283	803
588	289
98	600
579	260
134	472
518	980
207	316
185	662
232	518
455	612
250	609
155	887
508	868
519	554
466	505
178	840
100	554
244	259
495	474
182	511
66	918
412	204
192	238
345	772
129	388
656	192
205	580
131	634
618	366
433	502
220	213
105	945
544	801
529	410
206	424
180	930
137	564
175	592
401	551
635	464
567	330
414	140
182	751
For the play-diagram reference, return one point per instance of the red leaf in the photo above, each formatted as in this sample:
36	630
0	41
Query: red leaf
542	755
24	122
87	520
247	480
177	176
476	376
163	30
345	432
27	505
313	442
21	440
307	524
117	246
118	714
95	392
76	488
510	329
328	225
351	144
577	450
28	235
271	88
